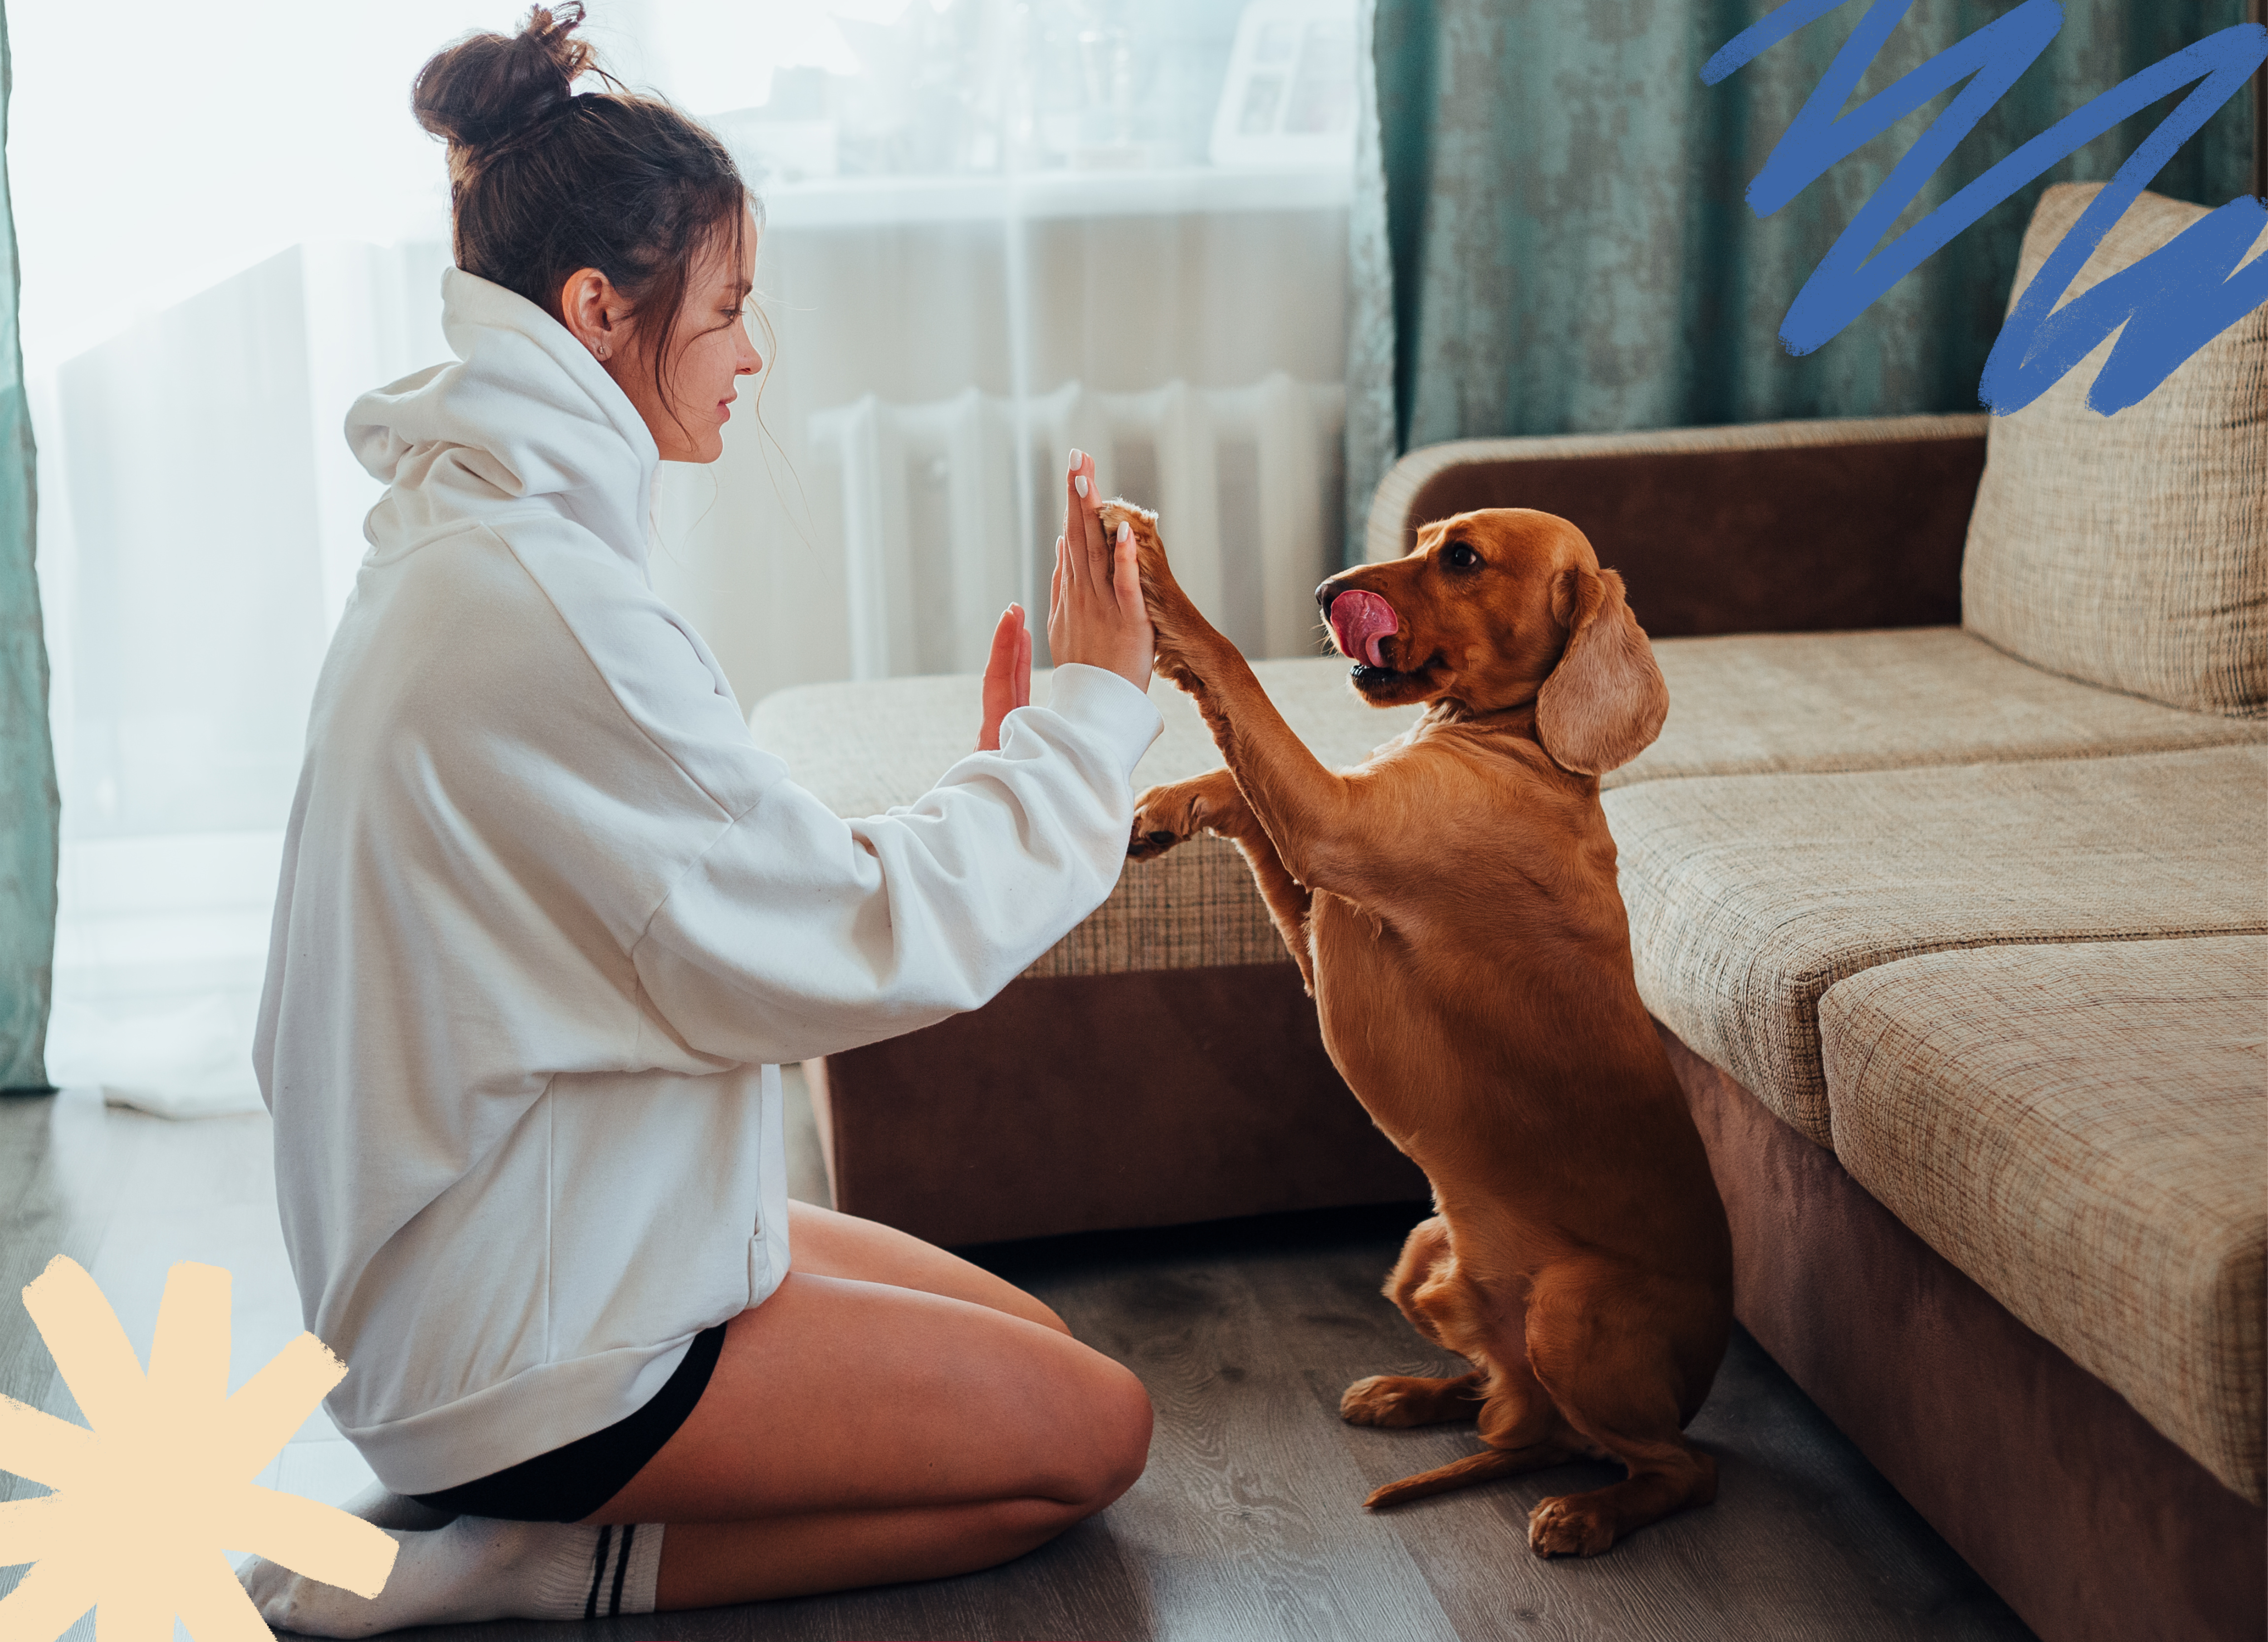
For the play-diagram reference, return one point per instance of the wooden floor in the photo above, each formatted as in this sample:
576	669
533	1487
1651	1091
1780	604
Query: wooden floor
1248	1523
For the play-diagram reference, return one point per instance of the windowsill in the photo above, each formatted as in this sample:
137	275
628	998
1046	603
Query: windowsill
869	201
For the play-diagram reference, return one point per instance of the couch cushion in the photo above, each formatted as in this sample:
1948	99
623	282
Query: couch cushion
2083	1129
2132	550
1790	703
1750	896
1757	703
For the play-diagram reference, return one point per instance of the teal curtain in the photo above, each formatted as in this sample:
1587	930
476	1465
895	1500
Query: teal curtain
28	806
1551	233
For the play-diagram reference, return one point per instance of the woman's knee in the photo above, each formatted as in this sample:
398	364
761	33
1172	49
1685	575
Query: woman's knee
1017	1303
1130	1420
1106	1440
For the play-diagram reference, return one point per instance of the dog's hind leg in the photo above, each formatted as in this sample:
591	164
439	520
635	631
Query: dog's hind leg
1523	1431
1601	1343
1486	1466
1394	1399
1385	1399
1518	1421
1426	1258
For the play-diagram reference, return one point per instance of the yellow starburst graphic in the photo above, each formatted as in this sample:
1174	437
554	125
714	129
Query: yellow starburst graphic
160	1479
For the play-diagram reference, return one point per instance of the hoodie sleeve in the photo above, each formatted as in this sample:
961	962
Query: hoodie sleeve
799	934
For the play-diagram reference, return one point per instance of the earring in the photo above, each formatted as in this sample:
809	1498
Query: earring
600	350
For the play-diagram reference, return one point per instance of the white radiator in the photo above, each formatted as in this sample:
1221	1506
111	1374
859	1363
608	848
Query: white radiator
945	521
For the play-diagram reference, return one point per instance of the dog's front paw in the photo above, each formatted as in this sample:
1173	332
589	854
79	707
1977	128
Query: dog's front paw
1572	1525
1173	619
1164	817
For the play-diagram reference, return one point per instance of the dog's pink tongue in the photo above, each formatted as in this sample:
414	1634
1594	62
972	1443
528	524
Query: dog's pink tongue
1358	621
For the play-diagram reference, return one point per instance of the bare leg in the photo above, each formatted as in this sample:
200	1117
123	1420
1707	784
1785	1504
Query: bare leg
715	1564
1166	816
858	1432
829	1244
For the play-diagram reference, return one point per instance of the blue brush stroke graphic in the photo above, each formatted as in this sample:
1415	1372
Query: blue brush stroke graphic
2171	302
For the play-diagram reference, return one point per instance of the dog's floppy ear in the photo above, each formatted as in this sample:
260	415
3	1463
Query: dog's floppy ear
1604	702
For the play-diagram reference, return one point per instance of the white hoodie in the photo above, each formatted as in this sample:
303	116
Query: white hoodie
549	919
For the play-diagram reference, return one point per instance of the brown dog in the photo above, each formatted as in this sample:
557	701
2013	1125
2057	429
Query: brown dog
1452	905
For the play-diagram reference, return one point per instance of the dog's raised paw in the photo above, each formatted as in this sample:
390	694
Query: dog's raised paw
1173	619
1569	1526
1164	816
1147	842
1118	508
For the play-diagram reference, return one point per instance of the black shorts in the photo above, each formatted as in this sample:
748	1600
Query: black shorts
568	1483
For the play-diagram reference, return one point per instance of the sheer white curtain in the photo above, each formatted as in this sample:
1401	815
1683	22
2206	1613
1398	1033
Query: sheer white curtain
994	228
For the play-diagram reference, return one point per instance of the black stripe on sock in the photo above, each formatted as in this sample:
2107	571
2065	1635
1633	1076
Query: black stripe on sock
622	1567
598	1573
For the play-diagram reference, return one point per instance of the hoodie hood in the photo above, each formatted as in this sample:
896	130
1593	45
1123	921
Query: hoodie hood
525	417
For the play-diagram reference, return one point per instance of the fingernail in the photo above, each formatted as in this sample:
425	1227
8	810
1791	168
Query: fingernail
1077	456
1079	484
1125	532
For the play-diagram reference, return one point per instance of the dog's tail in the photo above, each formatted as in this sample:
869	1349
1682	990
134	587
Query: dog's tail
1486	1466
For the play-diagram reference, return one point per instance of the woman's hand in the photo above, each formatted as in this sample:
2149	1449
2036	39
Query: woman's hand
1095	612
1007	675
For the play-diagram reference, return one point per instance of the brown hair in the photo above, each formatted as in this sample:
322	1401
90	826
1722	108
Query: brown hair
544	180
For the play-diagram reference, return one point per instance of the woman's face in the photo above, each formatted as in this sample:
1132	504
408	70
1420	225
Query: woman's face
711	351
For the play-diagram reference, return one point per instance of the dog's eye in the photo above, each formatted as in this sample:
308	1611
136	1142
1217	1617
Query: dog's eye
1460	557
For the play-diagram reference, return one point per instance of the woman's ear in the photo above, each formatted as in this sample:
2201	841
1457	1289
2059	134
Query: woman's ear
594	312
1605	702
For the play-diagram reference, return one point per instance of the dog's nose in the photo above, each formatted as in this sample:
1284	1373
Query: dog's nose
1324	594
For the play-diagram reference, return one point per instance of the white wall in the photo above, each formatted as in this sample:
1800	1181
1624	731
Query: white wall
1214	288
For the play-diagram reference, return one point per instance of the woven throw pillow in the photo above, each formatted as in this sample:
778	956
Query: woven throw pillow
2131	551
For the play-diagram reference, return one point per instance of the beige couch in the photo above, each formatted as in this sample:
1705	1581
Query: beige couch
1958	935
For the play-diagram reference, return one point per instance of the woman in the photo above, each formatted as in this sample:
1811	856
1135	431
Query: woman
549	920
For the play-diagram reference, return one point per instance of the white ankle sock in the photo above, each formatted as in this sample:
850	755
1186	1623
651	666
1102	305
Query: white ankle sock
475	1568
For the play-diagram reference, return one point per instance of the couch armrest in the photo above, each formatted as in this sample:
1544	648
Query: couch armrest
1768	527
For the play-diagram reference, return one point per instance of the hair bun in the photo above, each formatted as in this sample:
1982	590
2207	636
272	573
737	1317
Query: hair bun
486	88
